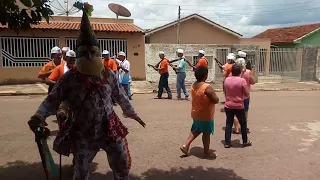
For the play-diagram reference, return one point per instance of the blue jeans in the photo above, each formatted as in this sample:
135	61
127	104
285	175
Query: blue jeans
181	76
129	89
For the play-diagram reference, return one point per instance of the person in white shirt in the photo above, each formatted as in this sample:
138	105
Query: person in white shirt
124	71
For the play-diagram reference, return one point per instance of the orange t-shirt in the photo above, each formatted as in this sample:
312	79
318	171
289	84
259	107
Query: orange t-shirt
228	69
202	108
164	66
57	73
49	66
202	62
110	64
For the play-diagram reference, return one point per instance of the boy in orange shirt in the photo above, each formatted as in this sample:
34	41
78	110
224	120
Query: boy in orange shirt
164	75
204	99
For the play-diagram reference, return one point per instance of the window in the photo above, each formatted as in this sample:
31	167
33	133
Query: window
26	51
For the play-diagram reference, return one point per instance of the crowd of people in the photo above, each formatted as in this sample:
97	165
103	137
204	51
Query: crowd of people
238	78
83	89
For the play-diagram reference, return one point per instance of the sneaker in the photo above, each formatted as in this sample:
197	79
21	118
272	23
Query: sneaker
187	98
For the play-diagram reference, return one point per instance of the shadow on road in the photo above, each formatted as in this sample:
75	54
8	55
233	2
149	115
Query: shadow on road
31	171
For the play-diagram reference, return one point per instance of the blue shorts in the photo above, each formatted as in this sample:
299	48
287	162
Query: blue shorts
246	103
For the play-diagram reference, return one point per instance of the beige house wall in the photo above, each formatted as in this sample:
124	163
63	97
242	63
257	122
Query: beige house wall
135	53
193	31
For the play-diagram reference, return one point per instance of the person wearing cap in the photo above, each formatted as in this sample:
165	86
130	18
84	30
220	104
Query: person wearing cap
243	55
227	71
64	53
93	124
202	60
164	75
107	61
124	71
58	72
51	65
181	69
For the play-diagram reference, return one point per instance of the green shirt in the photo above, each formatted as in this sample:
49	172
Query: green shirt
182	65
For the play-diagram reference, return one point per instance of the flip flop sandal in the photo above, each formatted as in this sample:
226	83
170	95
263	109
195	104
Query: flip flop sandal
184	150
249	143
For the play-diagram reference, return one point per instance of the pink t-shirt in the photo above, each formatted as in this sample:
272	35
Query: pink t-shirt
234	92
246	76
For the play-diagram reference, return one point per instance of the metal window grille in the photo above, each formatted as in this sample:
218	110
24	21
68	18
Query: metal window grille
112	45
25	51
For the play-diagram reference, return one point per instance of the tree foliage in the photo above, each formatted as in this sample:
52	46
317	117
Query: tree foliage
15	17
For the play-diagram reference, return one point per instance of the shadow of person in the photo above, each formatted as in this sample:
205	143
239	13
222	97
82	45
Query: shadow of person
234	143
191	173
31	171
198	152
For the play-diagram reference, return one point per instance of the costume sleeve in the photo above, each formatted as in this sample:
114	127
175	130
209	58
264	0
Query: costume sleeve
50	104
55	75
120	97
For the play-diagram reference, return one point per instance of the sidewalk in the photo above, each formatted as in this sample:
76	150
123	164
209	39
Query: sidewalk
143	87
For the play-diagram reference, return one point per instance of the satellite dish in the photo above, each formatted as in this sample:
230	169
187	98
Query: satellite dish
119	10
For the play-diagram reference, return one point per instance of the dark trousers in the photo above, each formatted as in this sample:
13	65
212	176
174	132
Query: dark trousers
240	114
163	83
50	88
126	88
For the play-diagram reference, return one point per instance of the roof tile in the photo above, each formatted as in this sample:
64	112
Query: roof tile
106	27
288	34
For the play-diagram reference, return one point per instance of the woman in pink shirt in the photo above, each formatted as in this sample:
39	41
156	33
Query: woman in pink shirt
236	89
248	76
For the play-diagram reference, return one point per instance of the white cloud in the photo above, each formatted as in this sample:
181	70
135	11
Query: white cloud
248	17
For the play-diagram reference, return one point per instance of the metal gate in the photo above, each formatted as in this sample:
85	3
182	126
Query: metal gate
25	51
112	45
280	64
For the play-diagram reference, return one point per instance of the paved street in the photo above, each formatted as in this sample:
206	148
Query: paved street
285	130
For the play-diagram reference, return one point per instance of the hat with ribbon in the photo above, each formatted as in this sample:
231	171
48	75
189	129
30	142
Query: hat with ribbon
88	51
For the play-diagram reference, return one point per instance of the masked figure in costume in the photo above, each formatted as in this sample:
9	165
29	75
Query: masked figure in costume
88	89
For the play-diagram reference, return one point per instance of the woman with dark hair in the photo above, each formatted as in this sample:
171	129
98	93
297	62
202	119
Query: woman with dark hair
236	89
204	99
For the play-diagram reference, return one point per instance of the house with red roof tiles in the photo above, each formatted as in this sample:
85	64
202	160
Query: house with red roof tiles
294	36
24	53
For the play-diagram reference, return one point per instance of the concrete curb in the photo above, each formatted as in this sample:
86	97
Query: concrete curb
18	93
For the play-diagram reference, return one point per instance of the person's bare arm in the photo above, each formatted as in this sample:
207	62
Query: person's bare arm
43	75
175	67
251	80
211	95
246	90
50	82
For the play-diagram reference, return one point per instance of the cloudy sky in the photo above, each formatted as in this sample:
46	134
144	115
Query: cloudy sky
248	17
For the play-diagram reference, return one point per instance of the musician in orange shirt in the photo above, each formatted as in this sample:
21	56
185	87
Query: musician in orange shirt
62	68
48	68
202	60
107	61
164	75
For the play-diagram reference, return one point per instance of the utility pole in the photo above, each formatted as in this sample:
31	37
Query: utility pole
178	28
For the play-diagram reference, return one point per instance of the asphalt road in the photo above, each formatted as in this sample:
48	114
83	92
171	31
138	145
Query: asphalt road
285	130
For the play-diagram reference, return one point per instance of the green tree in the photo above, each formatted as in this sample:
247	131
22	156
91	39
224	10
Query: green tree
20	14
